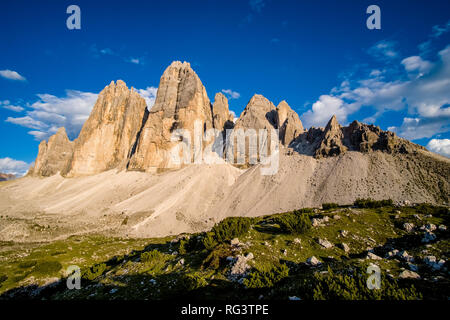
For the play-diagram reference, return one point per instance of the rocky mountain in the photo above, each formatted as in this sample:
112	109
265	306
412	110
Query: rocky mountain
53	157
110	132
331	164
180	101
6	176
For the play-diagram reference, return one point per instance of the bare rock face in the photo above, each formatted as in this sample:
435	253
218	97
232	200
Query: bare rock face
54	156
259	113
180	101
110	132
222	118
332	144
335	140
288	123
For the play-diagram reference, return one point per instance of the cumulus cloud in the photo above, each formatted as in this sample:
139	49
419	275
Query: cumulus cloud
423	97
441	146
11	166
415	64
149	94
323	109
11	75
231	94
51	112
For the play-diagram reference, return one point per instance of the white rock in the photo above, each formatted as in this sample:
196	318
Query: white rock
442	227
325	243
408	226
294	298
313	261
428	236
297	241
407	274
373	256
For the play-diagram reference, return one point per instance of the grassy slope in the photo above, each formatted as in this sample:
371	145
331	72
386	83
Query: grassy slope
123	274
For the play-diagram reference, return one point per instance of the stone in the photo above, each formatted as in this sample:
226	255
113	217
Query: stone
428	236
239	268
345	247
110	132
54	156
373	256
313	261
408	226
442	227
407	274
337	217
297	241
325	243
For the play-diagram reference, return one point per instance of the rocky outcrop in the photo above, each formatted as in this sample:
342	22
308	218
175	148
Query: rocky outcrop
54	156
288	123
259	113
222	118
332	140
180	101
335	140
108	135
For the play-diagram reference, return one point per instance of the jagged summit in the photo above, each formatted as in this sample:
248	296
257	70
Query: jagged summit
121	133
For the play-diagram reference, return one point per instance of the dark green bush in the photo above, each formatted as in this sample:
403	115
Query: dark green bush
94	272
193	281
230	228
331	286
369	203
154	260
209	241
331	205
217	257
3	278
293	222
47	267
266	279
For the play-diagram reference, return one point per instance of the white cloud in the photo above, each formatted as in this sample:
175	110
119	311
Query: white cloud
441	146
417	128
11	166
50	112
231	94
134	60
323	109
415	64
149	94
6	105
384	50
11	75
425	99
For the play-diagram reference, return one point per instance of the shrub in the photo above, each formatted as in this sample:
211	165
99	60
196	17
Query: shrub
47	267
193	281
27	264
3	278
217	256
331	205
230	228
266	279
94	272
369	203
209	241
331	286
154	260
193	243
293	222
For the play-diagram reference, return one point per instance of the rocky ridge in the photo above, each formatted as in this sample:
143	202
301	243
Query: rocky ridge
121	133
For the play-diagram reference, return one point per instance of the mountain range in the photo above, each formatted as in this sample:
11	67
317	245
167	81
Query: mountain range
119	173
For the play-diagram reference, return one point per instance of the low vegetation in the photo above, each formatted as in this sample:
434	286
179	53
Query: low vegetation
269	257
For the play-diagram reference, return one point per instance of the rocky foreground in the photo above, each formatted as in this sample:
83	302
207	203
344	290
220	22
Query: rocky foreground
306	254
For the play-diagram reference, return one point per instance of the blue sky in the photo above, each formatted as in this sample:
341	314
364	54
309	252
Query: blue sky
319	56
